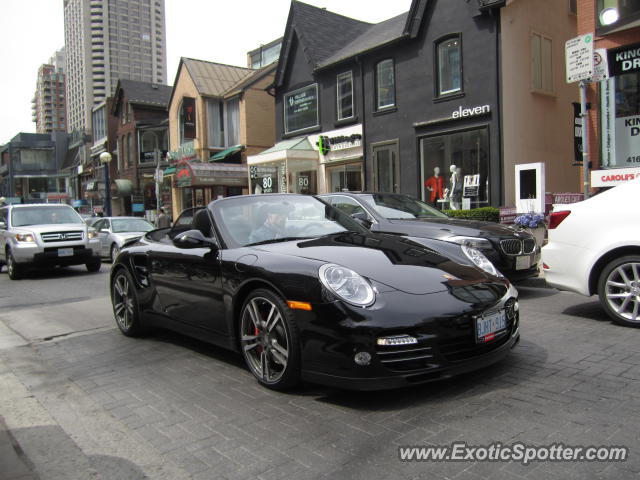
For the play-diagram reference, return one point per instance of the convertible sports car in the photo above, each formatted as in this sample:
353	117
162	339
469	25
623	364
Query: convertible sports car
305	292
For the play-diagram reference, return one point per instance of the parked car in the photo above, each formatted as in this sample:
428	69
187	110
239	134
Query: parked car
45	235
594	248
114	232
515	253
305	292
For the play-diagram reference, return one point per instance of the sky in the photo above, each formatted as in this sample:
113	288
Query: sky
217	30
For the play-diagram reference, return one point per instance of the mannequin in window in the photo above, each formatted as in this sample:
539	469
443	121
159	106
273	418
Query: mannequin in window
435	186
455	187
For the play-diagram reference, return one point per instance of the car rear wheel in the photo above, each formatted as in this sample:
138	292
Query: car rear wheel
114	252
619	290
269	340
15	271
125	304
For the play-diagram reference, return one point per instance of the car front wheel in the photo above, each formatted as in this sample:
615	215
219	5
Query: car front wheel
619	290
125	304
15	271
269	340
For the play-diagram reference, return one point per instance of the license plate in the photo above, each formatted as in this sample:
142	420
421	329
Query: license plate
523	262
65	252
488	325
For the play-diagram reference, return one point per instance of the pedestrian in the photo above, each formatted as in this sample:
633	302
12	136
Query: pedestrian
163	220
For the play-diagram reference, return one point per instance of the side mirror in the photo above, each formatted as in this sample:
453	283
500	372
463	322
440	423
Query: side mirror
193	239
362	219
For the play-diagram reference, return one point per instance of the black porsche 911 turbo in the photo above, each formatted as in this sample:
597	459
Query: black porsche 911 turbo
305	292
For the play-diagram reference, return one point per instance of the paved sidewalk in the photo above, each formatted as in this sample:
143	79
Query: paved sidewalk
13	464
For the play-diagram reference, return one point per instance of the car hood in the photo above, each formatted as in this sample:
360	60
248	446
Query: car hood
124	236
446	227
394	261
52	227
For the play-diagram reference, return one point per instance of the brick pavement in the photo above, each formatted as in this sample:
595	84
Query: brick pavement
575	379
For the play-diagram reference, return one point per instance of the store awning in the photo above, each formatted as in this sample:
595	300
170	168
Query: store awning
170	171
121	186
294	149
203	174
226	153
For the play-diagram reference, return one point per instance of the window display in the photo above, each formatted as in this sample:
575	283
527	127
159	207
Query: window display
465	156
621	121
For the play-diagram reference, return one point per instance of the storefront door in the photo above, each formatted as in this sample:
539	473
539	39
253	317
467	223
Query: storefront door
386	168
347	176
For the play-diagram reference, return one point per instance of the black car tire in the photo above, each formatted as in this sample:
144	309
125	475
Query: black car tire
15	271
113	253
93	265
271	348
619	290
125	304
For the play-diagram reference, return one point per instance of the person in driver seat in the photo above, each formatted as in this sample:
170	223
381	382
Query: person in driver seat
274	225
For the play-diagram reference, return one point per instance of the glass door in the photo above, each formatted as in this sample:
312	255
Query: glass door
345	177
386	168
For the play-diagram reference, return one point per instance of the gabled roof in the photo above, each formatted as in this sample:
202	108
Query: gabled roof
375	36
320	32
253	77
214	79
141	93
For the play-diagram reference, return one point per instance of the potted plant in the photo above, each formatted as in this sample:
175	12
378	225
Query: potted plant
533	223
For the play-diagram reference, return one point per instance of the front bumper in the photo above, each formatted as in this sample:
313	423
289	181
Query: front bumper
333	333
37	255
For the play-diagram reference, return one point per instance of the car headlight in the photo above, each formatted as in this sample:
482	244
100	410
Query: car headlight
24	237
91	234
479	260
474	242
347	285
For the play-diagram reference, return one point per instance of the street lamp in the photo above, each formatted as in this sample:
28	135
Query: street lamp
105	159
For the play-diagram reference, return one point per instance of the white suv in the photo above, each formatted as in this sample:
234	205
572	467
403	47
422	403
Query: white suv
45	235
594	247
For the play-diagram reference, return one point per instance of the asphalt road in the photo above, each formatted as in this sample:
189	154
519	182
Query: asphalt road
82	401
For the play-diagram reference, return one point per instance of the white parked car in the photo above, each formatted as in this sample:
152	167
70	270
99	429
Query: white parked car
594	248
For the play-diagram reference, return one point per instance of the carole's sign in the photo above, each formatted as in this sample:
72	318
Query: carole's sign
613	176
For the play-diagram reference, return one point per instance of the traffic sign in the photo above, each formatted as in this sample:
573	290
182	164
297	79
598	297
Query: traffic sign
600	65
579	58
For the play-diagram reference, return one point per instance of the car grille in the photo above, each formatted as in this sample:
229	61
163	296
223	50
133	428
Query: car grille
402	358
50	237
515	246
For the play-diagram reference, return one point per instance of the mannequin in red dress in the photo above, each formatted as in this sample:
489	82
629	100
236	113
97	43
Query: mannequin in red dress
435	186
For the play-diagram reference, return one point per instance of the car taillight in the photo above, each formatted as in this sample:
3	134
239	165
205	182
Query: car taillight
556	218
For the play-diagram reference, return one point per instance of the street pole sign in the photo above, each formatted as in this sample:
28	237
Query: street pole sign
600	65
579	58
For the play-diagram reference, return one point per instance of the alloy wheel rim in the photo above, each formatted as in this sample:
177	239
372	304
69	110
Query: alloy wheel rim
622	291
264	339
123	302
10	265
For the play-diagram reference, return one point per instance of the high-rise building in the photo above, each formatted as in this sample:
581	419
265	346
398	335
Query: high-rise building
49	104
107	40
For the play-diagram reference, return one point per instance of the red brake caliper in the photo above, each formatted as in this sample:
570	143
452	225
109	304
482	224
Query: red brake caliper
259	347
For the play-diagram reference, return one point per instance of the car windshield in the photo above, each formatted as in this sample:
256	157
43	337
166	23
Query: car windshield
21	217
393	206
256	219
121	225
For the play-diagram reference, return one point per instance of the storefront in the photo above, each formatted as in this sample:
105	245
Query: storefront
197	184
341	159
620	109
290	166
455	160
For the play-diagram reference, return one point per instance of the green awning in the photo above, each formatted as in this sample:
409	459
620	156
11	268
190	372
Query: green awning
225	153
170	171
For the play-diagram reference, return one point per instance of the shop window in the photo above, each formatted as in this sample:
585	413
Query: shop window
348	176
345	95
541	63
301	109
385	85
449	65
187	119
386	167
149	144
620	120
223	123
455	169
